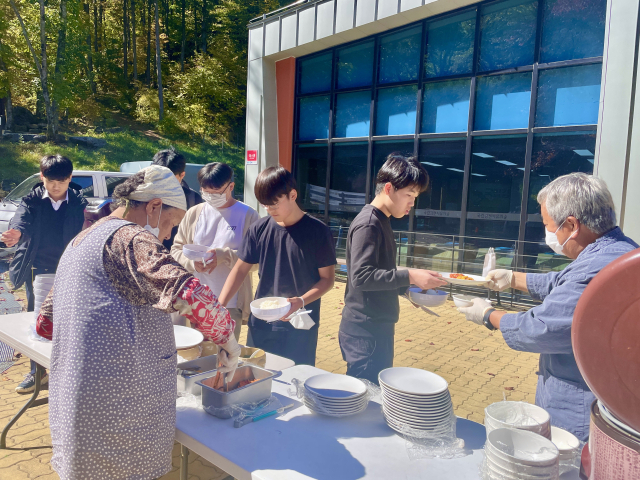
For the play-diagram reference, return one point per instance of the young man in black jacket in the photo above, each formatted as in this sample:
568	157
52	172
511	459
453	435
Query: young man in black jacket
371	300
48	218
176	162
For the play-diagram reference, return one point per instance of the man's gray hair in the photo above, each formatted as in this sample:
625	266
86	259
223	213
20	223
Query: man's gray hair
585	197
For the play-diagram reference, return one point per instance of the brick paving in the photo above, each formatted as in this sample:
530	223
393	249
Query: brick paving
478	365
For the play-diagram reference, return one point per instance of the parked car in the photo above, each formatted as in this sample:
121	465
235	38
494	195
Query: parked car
96	187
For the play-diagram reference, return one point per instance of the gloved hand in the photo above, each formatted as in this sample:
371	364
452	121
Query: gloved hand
228	355
475	313
499	280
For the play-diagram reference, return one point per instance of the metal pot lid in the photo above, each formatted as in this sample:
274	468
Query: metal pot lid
605	337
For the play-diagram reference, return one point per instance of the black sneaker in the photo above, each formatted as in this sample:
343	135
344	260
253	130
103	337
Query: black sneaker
28	385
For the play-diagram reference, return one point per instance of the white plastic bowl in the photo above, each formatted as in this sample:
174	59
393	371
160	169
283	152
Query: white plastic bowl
566	442
197	252
522	447
462	301
430	298
270	314
519	415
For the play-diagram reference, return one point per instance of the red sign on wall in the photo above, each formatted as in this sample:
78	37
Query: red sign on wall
252	157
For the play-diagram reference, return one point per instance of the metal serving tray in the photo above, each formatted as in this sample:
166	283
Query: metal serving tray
187	380
214	401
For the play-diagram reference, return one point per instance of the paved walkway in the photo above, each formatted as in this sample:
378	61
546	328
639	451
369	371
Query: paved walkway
480	369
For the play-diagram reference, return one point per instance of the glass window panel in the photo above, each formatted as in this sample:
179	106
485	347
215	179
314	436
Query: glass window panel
503	102
572	29
538	257
507	34
313	121
495	186
450	45
400	56
348	181
396	111
315	74
355	66
438	209
311	170
554	155
352	114
445	106
568	96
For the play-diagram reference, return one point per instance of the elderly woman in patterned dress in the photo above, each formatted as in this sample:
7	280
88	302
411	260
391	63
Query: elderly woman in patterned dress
112	391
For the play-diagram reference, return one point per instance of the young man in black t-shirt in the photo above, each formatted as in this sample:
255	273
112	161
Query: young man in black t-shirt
371	299
296	259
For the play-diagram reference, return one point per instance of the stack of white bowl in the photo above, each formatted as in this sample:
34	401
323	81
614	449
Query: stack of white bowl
569	448
335	395
519	455
520	415
415	399
42	285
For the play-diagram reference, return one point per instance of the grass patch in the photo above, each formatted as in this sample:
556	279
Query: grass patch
19	160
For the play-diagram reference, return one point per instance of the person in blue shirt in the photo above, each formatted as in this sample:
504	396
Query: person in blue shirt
579	216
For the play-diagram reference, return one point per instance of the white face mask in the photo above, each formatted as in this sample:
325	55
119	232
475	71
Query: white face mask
216	200
150	229
552	240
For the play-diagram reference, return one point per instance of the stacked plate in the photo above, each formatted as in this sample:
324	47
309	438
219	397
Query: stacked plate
569	447
415	399
519	455
335	395
520	415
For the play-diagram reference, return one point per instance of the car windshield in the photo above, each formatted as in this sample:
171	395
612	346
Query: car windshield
23	189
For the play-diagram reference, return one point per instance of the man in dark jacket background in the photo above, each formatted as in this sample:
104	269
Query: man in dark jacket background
176	162
48	218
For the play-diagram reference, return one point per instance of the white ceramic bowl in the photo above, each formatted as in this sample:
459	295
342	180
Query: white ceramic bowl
186	337
522	447
428	298
520	415
197	252
413	381
520	472
566	442
462	301
270	314
334	386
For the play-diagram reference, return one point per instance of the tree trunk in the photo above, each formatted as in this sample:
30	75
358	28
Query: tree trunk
60	53
125	41
203	35
195	25
96	38
184	37
8	105
135	48
102	29
158	63
92	82
148	70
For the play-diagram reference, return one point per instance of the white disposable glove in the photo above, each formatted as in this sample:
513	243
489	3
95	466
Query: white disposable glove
228	355
499	280
475	313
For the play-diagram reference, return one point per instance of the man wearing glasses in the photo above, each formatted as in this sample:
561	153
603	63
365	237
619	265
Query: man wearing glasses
296	260
220	224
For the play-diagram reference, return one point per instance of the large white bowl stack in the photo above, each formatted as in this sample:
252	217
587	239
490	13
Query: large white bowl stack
335	395
415	400
519	415
42	285
519	455
569	447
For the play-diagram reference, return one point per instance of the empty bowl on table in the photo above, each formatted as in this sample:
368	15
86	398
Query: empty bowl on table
427	298
463	301
335	395
522	448
518	415
197	252
270	314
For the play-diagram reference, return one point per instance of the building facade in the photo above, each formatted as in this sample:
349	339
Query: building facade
496	98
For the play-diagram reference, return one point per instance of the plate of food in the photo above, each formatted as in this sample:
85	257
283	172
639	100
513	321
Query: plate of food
463	279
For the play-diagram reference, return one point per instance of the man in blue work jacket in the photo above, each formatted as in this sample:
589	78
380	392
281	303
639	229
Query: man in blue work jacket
580	221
